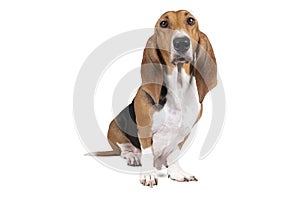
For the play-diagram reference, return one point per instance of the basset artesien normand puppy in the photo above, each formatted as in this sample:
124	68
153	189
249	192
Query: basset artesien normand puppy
178	70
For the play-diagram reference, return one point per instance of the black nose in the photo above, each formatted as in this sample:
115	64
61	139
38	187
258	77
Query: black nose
181	44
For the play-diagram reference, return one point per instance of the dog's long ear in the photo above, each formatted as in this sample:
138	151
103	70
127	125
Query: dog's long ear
152	70
205	66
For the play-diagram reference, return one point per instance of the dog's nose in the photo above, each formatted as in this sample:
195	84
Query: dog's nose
181	44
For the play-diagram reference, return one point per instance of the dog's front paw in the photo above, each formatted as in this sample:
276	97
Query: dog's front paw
133	159
177	174
149	179
181	177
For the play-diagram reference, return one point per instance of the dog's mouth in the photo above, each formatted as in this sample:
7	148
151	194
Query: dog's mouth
181	59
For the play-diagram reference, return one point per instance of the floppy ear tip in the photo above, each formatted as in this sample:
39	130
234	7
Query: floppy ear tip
214	84
213	81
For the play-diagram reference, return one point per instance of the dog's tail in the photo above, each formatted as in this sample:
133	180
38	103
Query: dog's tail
103	153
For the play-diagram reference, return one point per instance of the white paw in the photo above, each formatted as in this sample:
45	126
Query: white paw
177	174
181	177
132	159
149	179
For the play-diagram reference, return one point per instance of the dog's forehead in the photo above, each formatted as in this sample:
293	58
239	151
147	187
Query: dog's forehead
175	18
175	15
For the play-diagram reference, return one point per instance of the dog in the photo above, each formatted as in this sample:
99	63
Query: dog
178	70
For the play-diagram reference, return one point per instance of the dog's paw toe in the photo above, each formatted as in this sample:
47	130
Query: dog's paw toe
132	159
149	179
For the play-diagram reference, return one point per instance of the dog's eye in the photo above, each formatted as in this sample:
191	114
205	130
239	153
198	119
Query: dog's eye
164	24
190	21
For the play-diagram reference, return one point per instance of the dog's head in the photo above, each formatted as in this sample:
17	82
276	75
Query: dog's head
178	41
177	36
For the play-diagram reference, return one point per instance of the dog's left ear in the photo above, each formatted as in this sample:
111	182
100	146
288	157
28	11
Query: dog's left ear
205	66
152	70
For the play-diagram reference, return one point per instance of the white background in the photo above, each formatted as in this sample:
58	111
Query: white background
43	46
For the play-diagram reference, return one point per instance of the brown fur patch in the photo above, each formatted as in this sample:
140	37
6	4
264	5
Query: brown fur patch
144	111
115	136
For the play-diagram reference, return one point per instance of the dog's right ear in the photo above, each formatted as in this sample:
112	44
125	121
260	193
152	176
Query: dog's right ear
205	67
152	70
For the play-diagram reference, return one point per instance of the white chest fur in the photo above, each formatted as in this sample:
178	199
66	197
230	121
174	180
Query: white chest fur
175	120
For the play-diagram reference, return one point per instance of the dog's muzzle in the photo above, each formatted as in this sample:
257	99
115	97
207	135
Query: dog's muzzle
182	52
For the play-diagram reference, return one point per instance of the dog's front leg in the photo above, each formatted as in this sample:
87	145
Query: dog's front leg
144	111
148	175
